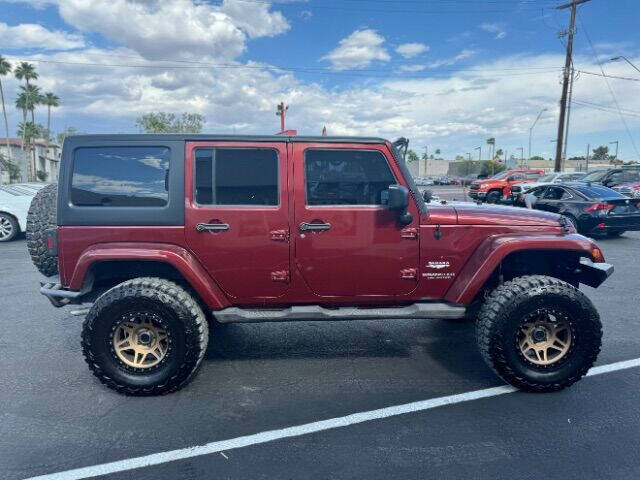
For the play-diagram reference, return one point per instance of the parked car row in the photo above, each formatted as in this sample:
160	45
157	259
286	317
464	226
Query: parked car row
591	208
14	204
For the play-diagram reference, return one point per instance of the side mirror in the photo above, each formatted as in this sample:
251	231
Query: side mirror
427	195
398	201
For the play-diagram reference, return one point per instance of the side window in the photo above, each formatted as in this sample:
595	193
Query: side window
556	193
346	177
532	175
236	176
516	176
537	192
120	177
631	175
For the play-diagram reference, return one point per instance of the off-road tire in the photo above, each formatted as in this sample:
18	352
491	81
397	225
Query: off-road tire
501	318
493	197
12	224
181	317
42	216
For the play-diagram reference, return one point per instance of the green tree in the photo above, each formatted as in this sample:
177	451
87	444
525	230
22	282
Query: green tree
42	176
601	153
5	69
51	101
30	132
12	168
536	157
412	156
491	167
67	132
459	158
26	71
163	122
27	100
499	153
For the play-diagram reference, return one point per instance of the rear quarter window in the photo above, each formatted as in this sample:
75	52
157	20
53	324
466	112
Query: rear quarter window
120	176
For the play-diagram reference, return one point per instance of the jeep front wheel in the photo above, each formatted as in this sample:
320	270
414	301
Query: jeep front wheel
146	336
539	333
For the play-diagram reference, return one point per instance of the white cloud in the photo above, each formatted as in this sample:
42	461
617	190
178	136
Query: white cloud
496	28
412	68
31	35
160	29
410	50
463	55
358	50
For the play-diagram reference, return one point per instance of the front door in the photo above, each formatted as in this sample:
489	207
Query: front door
237	221
347	243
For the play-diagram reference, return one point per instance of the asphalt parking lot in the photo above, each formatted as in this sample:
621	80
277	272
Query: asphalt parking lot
55	416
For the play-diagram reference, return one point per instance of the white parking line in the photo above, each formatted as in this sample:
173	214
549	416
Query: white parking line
269	436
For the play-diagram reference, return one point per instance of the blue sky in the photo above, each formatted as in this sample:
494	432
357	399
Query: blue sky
445	73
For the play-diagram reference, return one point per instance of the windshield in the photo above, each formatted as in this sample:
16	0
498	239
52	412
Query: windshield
595	176
499	176
546	178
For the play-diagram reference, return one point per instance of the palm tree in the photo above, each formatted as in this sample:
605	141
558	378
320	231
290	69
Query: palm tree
50	100
5	69
26	71
491	141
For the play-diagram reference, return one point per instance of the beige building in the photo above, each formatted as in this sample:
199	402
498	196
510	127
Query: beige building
47	159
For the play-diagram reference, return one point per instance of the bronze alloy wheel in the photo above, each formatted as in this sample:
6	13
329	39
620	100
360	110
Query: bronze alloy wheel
545	339
139	341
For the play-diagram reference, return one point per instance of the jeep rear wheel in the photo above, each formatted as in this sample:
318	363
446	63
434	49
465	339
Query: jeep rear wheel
539	333
146	336
42	216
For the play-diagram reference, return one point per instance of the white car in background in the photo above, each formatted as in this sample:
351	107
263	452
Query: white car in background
547	180
15	200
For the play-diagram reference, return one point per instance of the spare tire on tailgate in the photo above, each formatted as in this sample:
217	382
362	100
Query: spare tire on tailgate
42	216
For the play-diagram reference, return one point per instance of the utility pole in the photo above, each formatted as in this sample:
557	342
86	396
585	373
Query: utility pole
616	142
565	80
566	130
281	112
588	151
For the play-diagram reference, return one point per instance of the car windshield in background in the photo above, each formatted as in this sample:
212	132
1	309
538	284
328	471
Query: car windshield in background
546	178
499	176
594	176
597	192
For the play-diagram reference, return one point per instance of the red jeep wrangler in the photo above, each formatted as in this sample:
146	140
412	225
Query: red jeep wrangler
495	188
164	236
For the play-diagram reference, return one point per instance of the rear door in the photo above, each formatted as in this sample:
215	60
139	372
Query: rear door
347	243
237	215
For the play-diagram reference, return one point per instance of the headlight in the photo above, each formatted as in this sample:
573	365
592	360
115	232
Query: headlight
484	185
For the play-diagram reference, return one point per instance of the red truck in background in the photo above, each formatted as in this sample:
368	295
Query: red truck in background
493	189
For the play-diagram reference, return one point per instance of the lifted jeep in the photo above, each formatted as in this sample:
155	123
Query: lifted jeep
161	236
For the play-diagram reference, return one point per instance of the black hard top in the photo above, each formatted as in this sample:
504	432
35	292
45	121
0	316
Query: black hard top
203	137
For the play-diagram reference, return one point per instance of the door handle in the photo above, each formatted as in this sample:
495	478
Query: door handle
212	227
314	227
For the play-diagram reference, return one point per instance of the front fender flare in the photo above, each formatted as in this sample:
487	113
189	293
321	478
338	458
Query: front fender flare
180	258
494	249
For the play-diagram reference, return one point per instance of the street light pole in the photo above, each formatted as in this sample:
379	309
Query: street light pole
616	142
479	153
521	155
531	129
622	57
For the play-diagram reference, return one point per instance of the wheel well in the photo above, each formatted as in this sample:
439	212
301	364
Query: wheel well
109	273
559	264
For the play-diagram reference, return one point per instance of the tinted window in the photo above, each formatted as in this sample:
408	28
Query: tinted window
557	193
346	177
595	176
236	176
595	191
537	191
120	176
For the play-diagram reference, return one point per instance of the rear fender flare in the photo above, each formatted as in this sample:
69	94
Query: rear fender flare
179	258
494	249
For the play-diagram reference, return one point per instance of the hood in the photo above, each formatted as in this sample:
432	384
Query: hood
486	214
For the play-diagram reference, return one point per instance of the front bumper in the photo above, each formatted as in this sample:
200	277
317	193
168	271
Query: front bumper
476	195
593	274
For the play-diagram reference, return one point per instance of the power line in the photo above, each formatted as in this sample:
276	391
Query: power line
626	111
602	108
610	76
613	95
